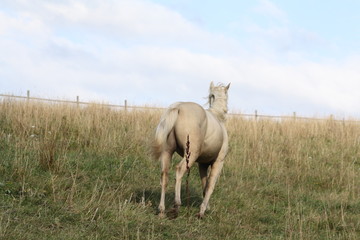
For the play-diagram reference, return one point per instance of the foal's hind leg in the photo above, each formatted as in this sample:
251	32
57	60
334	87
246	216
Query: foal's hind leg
165	158
180	171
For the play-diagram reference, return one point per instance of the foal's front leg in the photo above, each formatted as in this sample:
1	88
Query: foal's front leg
203	171
214	174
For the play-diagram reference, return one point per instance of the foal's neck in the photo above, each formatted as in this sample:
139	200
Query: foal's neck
219	109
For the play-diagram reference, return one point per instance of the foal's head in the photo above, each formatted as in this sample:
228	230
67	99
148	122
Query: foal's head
218	96
218	93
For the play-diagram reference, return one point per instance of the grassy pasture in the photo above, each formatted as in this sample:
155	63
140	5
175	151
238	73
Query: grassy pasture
87	173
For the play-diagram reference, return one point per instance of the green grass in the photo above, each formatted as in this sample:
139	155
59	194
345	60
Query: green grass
87	173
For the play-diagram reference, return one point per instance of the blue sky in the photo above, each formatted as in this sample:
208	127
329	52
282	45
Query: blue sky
330	23
280	56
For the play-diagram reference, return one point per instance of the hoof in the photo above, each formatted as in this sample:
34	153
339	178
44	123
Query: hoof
173	213
200	216
162	215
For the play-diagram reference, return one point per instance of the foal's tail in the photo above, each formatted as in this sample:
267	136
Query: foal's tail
163	130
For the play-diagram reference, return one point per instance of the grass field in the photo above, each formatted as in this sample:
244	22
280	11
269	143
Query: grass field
87	173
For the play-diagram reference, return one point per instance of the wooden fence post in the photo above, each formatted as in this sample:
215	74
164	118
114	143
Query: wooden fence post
28	95
125	105
294	115
256	115
77	101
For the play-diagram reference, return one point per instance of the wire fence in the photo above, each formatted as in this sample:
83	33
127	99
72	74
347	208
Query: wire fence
127	107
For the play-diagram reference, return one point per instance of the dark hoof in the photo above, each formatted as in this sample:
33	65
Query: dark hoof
200	216
173	213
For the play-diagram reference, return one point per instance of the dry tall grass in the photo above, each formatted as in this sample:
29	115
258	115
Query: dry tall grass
87	173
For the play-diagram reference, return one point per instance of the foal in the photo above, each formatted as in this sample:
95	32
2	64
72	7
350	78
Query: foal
208	143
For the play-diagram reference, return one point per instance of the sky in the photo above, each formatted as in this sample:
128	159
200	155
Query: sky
279	56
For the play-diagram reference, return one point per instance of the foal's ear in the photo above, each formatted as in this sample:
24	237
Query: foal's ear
211	85
227	87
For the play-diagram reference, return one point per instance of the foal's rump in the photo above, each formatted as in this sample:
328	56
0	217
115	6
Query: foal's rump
191	122
180	120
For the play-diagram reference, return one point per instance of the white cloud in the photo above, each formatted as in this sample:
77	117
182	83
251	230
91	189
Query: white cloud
146	53
24	23
327	85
